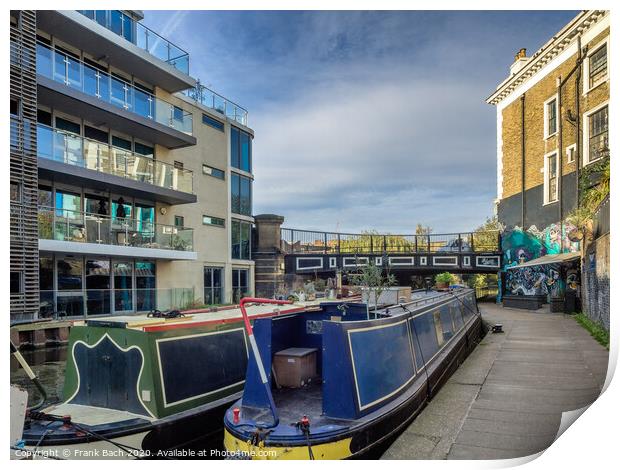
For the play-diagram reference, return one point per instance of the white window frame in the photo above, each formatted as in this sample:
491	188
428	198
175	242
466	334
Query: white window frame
546	115
466	261
454	262
409	261
586	132
333	262
586	67
378	261
320	266
495	258
546	199
357	262
423	261
571	153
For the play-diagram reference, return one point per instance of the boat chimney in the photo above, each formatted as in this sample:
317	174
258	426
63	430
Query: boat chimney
520	60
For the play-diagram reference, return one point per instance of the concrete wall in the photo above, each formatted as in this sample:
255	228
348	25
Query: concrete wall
595	281
212	243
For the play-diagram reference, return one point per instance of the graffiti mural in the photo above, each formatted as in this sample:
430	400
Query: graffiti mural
535	280
519	246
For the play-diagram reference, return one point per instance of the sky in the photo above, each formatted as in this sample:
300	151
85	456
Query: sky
364	120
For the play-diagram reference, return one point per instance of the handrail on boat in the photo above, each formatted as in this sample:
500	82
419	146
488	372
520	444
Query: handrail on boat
256	353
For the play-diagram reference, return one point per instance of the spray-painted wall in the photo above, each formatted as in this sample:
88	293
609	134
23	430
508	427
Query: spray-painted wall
519	246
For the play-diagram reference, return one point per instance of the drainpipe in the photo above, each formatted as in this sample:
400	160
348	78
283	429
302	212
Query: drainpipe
560	154
578	117
523	161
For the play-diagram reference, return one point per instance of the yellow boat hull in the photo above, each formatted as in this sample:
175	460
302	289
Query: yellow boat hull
328	451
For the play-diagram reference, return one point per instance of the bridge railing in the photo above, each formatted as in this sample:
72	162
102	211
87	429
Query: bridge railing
294	241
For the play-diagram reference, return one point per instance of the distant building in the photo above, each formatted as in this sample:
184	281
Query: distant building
552	127
131	183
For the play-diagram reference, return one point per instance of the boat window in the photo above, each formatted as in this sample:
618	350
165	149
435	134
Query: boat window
446	322
457	317
427	336
438	330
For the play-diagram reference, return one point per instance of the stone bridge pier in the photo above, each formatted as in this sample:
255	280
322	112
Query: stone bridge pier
268	256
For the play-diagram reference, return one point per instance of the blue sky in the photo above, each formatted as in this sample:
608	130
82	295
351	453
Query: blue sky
364	120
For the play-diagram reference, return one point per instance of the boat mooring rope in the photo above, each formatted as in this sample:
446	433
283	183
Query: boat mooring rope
304	425
133	451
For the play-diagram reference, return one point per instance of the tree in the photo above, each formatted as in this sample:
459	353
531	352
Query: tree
422	230
370	276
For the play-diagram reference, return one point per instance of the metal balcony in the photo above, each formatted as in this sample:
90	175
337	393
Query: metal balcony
74	86
109	168
85	233
122	42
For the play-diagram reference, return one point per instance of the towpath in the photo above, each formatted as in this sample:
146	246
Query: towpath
506	400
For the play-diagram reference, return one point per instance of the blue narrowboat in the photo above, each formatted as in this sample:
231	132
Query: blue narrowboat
373	376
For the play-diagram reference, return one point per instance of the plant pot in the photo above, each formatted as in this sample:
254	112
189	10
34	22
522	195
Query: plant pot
441	285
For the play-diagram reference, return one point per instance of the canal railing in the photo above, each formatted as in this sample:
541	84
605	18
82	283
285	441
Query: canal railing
294	241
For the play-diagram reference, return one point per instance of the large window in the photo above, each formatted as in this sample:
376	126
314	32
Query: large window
551	178
240	284
209	220
598	134
213	285
240	150
209	121
597	66
551	117
216	173
240	233
241	194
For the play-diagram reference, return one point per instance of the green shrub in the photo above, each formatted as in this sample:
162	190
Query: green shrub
444	278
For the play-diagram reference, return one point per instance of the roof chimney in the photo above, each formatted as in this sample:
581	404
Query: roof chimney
520	60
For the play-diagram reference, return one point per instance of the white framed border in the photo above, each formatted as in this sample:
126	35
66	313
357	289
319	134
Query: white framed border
571	153
357	262
455	263
546	199
546	134
586	67
586	132
410	261
466	261
393	392
333	262
177	338
423	261
320	266
495	257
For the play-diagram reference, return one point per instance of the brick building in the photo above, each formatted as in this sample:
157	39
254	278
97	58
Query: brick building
552	129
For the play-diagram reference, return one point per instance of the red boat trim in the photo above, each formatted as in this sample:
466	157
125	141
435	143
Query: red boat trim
222	321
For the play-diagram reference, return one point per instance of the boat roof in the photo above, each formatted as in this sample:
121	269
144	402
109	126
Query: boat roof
93	415
192	318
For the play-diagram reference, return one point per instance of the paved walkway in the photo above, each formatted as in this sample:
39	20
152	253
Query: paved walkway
506	400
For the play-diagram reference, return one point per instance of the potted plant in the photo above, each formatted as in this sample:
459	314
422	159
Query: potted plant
443	280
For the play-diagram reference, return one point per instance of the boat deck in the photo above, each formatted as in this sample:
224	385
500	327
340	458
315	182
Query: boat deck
293	403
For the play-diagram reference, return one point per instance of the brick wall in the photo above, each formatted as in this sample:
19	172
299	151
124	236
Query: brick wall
536	145
595	281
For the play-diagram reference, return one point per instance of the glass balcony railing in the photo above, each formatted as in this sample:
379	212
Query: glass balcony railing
71	300
143	37
211	99
64	68
54	144
75	226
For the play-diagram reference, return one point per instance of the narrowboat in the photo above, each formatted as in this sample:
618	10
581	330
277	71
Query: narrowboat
137	386
371	376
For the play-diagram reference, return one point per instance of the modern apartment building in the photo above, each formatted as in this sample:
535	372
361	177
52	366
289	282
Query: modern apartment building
552	131
131	183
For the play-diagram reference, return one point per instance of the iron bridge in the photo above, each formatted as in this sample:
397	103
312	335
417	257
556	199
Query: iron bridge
308	252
